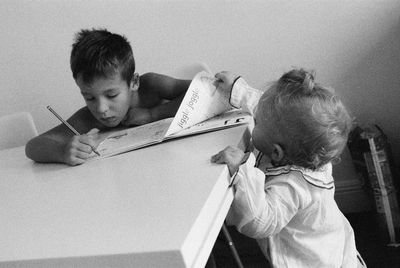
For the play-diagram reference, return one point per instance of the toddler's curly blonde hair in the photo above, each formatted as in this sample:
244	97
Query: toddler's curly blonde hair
311	120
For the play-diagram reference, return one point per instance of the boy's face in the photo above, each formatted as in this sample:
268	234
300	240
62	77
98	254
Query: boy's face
108	98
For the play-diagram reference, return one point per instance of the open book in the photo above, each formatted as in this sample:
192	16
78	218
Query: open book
203	109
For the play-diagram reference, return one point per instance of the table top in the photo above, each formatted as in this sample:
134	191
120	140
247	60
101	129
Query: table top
150	206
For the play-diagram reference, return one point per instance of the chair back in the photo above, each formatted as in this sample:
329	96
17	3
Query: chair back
16	130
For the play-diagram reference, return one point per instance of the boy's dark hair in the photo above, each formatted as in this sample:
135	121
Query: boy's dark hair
98	52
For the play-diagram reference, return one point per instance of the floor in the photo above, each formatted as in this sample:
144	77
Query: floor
371	243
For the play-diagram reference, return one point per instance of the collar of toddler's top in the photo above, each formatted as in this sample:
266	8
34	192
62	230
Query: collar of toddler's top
320	178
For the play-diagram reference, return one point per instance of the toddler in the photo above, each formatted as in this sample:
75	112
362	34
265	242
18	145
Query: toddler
300	128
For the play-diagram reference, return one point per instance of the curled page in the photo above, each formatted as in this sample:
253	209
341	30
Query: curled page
201	102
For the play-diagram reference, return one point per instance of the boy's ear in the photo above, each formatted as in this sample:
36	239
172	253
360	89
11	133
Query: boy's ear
135	82
277	153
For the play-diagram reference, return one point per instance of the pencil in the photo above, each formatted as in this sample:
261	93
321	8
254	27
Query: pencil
73	130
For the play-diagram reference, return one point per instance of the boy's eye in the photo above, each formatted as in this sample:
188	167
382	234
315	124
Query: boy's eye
112	95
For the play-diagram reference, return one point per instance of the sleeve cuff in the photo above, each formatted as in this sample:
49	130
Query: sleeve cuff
244	96
237	92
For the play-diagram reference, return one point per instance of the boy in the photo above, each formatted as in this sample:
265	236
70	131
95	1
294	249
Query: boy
300	128
103	67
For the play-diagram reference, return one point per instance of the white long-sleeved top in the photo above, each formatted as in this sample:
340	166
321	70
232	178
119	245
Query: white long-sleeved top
289	210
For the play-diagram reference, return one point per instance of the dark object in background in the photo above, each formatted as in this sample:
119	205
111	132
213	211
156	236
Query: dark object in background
372	157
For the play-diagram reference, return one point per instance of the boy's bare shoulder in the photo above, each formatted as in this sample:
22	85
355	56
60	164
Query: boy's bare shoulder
163	86
153	80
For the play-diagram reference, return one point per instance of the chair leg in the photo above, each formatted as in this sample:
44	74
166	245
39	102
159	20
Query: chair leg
232	246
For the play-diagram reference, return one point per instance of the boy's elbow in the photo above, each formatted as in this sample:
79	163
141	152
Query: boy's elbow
34	150
29	149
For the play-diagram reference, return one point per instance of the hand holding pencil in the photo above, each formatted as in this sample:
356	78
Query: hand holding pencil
80	146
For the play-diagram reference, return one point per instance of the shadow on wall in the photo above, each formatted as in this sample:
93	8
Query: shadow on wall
372	88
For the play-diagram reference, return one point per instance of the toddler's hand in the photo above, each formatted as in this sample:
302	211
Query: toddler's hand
225	80
231	156
80	147
137	116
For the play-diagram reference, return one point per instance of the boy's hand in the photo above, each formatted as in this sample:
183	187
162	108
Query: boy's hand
80	147
231	156
225	80
137	116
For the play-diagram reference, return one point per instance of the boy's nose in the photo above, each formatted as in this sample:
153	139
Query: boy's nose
102	106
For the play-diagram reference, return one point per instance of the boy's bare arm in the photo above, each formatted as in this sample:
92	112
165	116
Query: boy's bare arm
165	87
159	96
56	144
171	89
167	109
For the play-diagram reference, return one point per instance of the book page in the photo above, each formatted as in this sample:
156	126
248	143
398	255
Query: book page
119	141
202	101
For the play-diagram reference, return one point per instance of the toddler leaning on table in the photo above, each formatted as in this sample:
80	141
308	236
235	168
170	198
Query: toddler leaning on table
103	68
300	128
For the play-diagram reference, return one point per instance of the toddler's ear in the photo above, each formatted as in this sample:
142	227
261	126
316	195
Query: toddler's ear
135	82
277	153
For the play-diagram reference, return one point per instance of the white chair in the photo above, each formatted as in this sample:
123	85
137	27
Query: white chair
16	130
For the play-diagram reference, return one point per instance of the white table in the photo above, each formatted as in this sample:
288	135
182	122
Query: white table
160	206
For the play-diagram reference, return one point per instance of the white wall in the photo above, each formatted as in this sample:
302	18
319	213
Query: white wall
353	45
